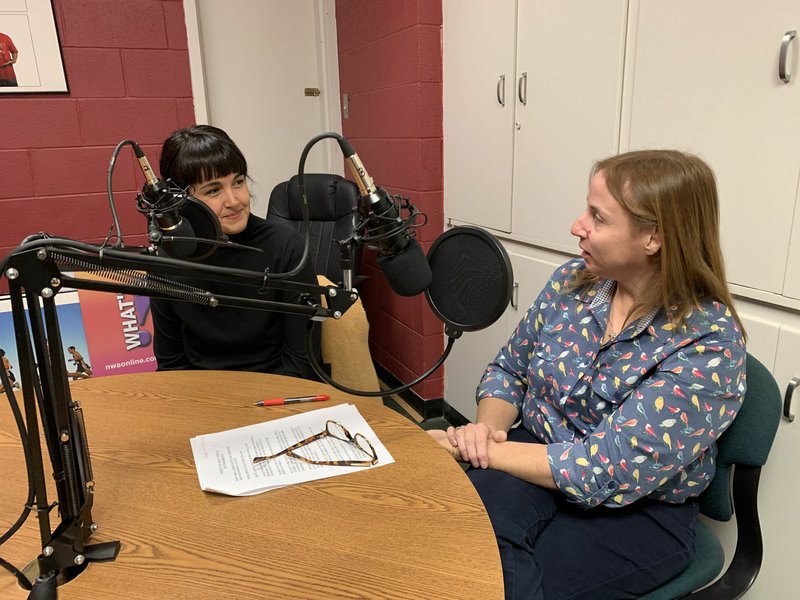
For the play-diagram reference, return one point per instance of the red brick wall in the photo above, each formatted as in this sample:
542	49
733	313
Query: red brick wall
127	68
390	64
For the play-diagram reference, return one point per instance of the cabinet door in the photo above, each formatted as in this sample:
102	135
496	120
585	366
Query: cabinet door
780	487
531	273
791	286
570	58
467	362
478	71
703	77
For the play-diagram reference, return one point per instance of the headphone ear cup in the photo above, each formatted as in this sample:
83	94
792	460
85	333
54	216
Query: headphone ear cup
472	278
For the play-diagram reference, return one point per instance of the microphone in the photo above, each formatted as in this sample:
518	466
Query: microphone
400	256
163	204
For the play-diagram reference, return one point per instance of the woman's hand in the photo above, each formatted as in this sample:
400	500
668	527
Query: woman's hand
472	441
469	443
440	435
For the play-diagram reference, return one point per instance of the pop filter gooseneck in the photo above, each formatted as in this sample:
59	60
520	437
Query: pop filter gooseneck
472	279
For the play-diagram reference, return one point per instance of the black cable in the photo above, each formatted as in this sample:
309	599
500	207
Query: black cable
304	208
119	242
312	357
406	224
21	579
23	436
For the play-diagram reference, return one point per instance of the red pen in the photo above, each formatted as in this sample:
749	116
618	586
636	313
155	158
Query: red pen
279	401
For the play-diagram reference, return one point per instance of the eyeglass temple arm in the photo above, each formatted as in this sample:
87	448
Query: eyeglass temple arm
300	444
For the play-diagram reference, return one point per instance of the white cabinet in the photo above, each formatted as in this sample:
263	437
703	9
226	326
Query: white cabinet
569	85
703	77
583	80
479	40
467	362
531	99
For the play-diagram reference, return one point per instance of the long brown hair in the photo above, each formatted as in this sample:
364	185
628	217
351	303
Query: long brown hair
676	193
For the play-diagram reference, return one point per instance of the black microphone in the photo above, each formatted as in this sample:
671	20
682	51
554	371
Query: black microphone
163	204
400	256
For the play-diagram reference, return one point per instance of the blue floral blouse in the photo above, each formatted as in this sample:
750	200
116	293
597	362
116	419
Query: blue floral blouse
635	417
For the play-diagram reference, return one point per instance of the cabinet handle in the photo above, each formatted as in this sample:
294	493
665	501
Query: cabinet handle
787	399
501	90
522	88
515	296
785	43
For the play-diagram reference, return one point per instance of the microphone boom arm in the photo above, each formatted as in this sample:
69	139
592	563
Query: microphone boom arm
38	264
37	271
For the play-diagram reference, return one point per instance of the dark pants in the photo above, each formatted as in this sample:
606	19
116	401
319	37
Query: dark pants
8	83
551	550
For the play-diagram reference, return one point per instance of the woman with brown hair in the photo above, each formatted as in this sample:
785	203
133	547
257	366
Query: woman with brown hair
623	373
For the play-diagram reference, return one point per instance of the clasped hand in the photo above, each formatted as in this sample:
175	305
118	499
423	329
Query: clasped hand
469	443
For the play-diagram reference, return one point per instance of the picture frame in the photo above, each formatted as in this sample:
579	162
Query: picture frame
30	51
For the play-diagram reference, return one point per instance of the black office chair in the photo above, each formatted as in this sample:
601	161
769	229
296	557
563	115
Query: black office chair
743	450
332	202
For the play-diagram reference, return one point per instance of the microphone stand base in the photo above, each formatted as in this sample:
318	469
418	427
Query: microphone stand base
103	552
65	564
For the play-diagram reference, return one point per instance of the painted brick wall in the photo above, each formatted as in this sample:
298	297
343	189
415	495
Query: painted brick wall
127	68
128	73
390	64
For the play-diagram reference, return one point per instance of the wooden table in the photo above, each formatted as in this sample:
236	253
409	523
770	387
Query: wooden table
413	529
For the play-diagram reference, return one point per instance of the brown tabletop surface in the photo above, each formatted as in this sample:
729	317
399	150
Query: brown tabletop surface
412	529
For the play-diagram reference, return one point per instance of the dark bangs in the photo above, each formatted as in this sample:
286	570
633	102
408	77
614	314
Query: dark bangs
197	154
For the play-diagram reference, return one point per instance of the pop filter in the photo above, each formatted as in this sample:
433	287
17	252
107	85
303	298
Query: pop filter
472	278
197	223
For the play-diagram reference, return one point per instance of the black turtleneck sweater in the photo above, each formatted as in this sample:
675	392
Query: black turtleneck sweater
193	336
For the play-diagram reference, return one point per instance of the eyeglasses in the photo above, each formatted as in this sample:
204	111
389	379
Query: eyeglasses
334	430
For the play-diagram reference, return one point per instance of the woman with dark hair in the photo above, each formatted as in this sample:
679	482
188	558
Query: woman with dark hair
206	162
623	373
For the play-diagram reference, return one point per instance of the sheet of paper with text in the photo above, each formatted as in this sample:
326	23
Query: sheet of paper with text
224	460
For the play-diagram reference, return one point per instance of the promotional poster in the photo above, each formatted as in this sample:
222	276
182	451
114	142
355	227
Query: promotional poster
102	333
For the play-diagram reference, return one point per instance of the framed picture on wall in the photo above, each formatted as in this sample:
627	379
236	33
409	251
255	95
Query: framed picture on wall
30	54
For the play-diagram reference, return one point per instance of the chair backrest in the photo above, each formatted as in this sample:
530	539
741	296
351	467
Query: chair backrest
345	347
332	201
747	441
